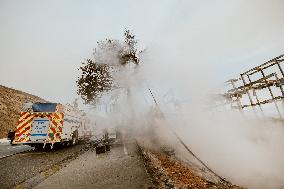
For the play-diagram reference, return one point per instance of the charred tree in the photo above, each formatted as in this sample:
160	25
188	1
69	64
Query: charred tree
109	56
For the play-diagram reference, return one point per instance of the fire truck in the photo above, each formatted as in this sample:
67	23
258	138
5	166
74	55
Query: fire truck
43	125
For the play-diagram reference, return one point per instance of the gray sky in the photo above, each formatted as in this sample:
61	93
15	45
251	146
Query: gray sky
43	42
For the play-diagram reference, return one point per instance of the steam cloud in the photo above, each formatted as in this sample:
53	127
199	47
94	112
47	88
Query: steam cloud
188	58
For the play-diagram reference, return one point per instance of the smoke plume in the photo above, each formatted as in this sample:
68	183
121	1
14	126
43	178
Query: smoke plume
187	63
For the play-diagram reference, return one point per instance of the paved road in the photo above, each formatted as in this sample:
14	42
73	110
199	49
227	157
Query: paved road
7	149
18	168
122	167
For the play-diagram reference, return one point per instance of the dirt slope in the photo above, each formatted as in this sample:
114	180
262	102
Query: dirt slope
10	106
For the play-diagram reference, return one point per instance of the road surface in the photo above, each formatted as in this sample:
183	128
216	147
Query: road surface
122	167
17	169
6	149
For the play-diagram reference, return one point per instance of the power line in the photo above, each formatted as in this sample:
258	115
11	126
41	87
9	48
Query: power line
183	144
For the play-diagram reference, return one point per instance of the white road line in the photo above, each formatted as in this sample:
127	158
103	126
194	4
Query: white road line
124	149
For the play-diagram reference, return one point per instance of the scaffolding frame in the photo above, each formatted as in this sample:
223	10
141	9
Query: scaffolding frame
250	87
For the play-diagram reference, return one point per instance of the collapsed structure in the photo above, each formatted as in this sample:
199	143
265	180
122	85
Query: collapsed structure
267	77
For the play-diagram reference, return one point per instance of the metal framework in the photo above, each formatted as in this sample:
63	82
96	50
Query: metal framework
251	85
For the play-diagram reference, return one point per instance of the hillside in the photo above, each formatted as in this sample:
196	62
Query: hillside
10	106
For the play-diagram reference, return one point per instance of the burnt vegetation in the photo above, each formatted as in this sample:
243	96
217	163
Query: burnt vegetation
109	56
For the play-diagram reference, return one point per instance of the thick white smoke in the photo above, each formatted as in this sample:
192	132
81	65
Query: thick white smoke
197	50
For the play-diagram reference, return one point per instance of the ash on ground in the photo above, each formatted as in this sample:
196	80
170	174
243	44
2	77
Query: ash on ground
167	171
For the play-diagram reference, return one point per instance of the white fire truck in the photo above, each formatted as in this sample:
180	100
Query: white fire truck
43	125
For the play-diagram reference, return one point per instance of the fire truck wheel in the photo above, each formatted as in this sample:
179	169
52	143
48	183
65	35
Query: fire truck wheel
75	137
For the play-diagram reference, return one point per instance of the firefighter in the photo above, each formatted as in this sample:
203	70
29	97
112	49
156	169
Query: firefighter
11	136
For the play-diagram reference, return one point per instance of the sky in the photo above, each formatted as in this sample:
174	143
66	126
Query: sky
42	43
